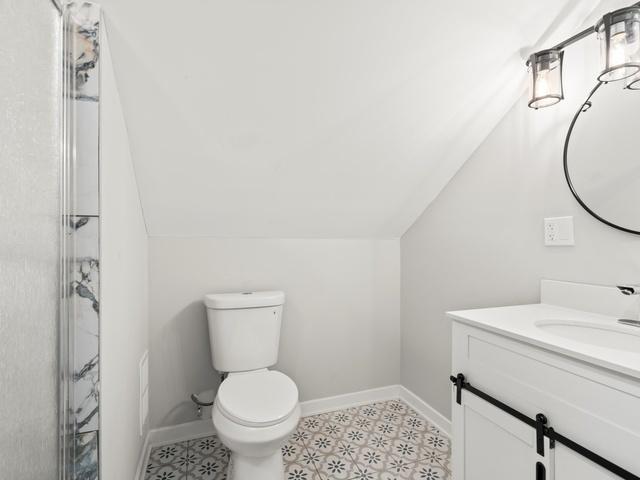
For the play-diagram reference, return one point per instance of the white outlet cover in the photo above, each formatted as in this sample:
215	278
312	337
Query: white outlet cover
558	231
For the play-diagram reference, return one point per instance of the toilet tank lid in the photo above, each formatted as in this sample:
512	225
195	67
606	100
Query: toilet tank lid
227	301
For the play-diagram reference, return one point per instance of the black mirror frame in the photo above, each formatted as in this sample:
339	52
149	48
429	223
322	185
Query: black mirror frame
583	108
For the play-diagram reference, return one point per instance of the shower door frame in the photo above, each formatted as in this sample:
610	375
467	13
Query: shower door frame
79	312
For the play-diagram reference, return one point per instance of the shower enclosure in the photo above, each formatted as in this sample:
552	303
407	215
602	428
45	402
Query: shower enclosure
73	331
80	243
49	246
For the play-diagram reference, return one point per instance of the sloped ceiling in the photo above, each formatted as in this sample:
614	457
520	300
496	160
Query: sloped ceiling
301	118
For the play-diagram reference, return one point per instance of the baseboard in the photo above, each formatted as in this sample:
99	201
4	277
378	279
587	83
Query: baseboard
203	428
348	400
181	432
426	410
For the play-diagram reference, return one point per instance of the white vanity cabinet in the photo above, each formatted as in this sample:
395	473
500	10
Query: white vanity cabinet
597	407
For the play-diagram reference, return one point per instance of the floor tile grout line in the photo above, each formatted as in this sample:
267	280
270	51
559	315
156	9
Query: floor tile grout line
408	465
315	465
445	468
355	462
188	459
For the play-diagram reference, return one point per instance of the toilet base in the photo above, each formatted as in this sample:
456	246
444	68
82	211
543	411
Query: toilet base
252	468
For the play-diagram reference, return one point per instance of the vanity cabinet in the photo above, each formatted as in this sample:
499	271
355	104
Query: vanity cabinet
593	406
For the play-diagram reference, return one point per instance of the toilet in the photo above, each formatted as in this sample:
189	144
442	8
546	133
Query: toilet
256	409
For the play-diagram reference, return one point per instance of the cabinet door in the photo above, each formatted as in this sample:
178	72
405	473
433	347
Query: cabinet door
592	406
571	466
490	444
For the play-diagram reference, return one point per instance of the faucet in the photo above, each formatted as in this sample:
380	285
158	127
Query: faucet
631	323
629	289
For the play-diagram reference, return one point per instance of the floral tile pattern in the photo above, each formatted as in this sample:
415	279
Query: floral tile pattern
380	441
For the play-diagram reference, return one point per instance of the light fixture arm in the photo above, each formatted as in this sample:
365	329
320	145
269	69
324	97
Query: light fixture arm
580	35
576	38
618	32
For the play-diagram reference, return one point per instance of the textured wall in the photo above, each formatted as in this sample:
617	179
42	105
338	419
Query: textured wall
340	331
29	226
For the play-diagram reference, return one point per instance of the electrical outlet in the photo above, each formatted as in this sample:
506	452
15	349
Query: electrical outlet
558	231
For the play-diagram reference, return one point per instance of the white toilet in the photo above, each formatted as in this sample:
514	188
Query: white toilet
256	409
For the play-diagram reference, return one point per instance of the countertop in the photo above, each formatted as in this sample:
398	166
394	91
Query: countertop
519	322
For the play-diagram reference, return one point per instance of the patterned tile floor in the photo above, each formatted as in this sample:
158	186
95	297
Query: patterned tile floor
381	441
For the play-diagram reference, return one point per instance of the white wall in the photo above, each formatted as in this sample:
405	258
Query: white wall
481	242
307	118
29	238
124	287
341	329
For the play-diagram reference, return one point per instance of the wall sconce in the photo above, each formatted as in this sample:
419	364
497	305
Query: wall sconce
545	74
619	35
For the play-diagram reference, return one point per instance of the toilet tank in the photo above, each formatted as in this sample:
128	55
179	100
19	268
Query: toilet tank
244	329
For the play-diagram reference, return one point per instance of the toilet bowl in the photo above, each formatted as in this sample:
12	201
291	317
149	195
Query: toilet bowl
254	414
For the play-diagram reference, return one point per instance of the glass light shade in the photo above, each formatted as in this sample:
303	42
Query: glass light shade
633	83
545	78
619	35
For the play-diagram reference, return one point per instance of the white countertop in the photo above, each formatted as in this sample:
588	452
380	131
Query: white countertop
519	322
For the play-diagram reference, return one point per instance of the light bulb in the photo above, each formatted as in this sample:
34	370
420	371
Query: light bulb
542	84
545	70
618	55
618	33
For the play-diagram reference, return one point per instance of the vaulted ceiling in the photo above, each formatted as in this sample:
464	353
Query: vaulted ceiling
313	118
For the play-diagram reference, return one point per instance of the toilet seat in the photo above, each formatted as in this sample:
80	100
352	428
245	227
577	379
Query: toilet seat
257	399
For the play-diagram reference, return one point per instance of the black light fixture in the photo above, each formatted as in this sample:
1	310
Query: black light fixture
619	35
545	73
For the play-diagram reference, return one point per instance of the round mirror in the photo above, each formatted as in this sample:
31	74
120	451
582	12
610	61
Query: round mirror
602	156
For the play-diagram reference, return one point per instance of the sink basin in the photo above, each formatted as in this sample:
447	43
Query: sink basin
616	338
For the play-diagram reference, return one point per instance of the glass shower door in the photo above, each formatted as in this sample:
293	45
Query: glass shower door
80	252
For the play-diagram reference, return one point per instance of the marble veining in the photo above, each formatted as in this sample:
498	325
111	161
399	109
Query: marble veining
82	225
84	55
85	456
85	292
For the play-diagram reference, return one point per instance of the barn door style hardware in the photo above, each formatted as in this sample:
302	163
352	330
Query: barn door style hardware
540	424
